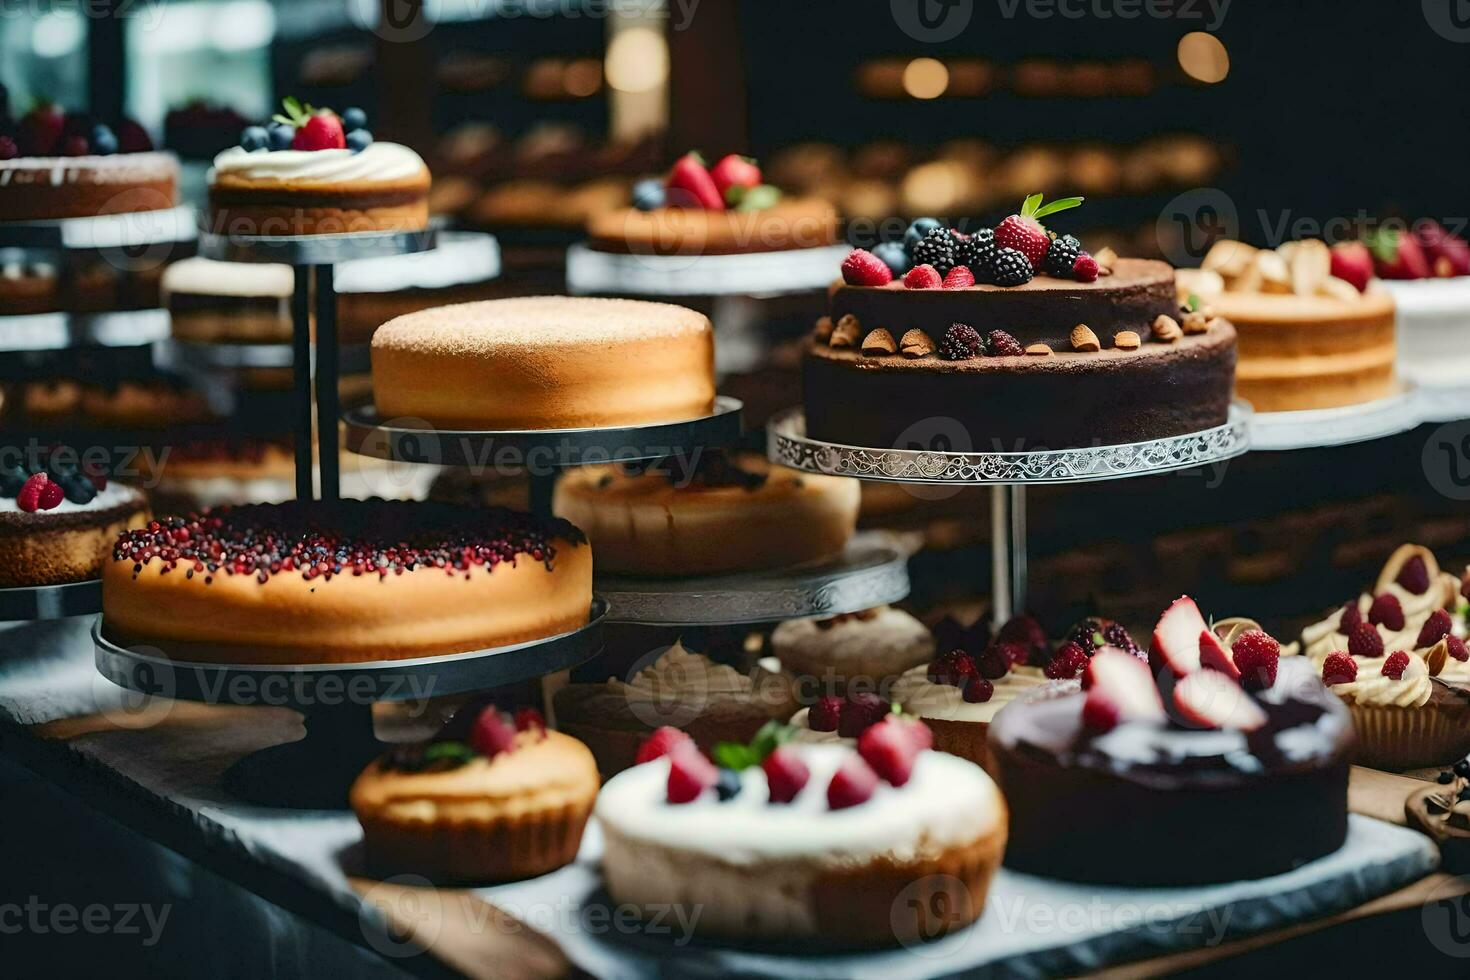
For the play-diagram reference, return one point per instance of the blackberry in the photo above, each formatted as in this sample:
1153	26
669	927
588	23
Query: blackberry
1009	267
1003	344
915	232
937	249
961	342
1062	255
977	252
12	478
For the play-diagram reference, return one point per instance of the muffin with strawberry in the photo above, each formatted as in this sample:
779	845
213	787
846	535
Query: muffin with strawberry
311	171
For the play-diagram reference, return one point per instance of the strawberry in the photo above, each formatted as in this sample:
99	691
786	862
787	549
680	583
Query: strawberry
530	720
853	783
959	278
1448	254
1024	232
75	146
1396	255
1210	699
734	171
978	690
786	774
1457	647
1350	618
322	131
689	176
860	712
492	734
29	498
690	774
1364	641
1414	576
39	133
1070	660
890	750
1352	262
660	743
922	277
1257	656
863	268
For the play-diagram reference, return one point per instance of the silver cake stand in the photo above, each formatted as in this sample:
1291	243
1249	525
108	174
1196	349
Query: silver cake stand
165	226
1008	475
1405	409
211	356
51	601
335	701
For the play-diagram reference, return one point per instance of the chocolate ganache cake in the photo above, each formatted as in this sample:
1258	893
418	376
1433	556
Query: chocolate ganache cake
1047	350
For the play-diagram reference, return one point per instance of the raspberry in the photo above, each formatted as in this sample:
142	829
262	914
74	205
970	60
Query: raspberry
492	734
785	773
29	498
993	664
890	751
52	494
1016	654
1350	617
955	668
824	714
859	713
1085	268
937	248
1062	255
959	278
1010	268
1386	611
863	268
1395	665
1364	641
1339	668
976	252
1023	235
1025	630
978	690
1256	656
961	342
1456	647
1435	628
529	719
852	784
1069	661
923	277
660	743
690	774
1003	344
1414	576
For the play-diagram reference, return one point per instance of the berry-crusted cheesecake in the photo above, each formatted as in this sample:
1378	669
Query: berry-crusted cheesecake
350	581
57	165
1213	729
888	842
714	513
313	172
719	210
492	797
58	523
1023	339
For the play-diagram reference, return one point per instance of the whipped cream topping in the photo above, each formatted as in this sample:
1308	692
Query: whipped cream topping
96	169
883	641
1373	687
947	801
803	731
918	695
379	161
208	277
111	496
679	673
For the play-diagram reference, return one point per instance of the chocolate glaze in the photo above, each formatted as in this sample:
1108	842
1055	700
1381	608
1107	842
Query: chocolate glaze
1159	804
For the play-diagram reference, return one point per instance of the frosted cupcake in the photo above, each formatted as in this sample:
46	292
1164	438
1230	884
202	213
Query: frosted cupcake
1404	716
866	650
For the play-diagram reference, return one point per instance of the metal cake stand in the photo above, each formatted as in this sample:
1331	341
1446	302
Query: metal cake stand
211	356
1008	475
51	601
335	701
1322	427
165	226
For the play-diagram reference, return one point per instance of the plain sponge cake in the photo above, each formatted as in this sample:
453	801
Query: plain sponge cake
545	362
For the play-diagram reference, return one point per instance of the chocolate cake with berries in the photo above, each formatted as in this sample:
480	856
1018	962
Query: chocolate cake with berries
57	523
351	581
1140	757
312	172
1022	337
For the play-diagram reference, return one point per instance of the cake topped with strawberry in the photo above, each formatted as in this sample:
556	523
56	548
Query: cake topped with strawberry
1210	727
777	839
311	171
720	209
56	164
1426	267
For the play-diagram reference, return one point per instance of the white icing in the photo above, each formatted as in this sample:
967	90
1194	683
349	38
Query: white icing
801	722
918	695
99	169
947	801
887	643
112	495
1433	322
379	161
207	277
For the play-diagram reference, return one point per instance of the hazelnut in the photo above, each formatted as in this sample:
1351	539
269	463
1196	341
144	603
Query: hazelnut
847	332
1126	340
823	332
1195	322
1167	329
1214	323
1106	258
916	343
879	343
1083	339
1038	350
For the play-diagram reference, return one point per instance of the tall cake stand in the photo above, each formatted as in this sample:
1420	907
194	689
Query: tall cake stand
1008	475
335	701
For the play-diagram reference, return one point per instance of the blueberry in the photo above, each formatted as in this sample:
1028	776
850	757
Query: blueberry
648	194
254	138
918	230
78	489
359	140
281	135
727	786
12	478
354	118
104	140
895	256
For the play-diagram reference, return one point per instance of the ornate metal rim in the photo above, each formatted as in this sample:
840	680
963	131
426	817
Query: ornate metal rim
207	355
312	685
64	331
867	575
744	274
1399	412
51	601
788	444
315	249
132	229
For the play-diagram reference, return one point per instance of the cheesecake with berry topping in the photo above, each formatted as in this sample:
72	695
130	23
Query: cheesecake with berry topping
344	582
492	797
887	842
1025	341
1212	729
58	523
312	172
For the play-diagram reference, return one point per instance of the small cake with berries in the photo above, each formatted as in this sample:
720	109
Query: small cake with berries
1405	717
1144	757
861	651
344	582
714	513
841	718
56	165
312	172
720	210
887	842
58	522
492	798
1022	337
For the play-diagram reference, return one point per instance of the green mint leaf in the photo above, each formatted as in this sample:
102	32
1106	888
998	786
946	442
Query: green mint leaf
1193	302
1064	204
1029	206
456	752
734	194
733	755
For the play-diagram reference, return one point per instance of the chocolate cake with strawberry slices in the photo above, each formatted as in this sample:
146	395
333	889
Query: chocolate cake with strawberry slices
1136	761
1020	336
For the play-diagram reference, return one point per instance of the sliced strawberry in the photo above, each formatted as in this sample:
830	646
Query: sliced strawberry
690	176
891	750
690	774
852	784
1210	699
660	744
1175	644
1213	656
786	774
1119	688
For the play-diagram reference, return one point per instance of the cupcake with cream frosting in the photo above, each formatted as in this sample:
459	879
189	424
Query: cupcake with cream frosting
865	650
1405	717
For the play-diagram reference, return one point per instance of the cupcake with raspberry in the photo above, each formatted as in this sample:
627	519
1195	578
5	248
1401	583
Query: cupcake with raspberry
863	651
1404	715
840	718
1409	591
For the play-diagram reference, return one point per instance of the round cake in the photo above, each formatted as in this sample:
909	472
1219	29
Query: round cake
890	843
59	525
722	512
344	582
1050	363
862	651
233	302
312	172
1432	318
545	362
